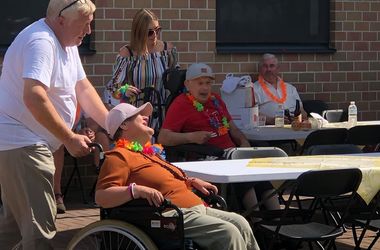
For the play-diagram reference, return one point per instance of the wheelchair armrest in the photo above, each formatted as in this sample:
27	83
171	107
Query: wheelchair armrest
213	200
139	206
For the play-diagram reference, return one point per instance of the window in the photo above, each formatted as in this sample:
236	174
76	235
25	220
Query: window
273	26
16	15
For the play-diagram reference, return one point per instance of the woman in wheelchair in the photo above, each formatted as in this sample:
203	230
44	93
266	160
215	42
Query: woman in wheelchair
131	171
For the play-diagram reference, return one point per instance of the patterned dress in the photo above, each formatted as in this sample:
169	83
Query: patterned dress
142	71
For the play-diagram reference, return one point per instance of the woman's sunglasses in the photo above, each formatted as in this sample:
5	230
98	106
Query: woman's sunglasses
156	31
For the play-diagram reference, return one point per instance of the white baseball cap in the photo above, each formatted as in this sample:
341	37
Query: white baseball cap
123	111
197	70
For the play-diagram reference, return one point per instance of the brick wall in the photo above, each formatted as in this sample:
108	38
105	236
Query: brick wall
352	73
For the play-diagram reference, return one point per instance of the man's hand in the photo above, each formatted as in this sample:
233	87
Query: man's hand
153	196
200	137
88	132
77	146
203	186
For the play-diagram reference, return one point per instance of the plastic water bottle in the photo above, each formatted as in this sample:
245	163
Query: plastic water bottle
279	117
352	114
255	116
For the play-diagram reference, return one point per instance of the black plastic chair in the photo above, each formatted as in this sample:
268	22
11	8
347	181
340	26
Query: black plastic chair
246	153
333	149
316	106
173	81
324	137
333	115
254	152
366	135
300	224
366	217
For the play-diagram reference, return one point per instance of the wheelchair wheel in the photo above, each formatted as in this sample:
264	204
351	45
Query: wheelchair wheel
109	235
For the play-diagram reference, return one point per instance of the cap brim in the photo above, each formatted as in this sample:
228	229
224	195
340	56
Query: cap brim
202	75
146	109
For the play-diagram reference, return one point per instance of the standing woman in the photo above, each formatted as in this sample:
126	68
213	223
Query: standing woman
141	63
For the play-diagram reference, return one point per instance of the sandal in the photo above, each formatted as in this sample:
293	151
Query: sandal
61	209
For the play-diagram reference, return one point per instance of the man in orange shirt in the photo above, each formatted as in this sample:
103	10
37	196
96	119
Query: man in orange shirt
133	171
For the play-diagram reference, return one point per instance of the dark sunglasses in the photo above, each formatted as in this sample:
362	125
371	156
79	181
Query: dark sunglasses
156	31
71	4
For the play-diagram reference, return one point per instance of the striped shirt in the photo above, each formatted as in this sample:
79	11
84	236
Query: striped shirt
143	70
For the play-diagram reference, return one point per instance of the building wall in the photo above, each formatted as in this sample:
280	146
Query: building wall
352	73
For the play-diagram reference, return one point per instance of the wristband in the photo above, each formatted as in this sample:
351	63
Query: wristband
131	192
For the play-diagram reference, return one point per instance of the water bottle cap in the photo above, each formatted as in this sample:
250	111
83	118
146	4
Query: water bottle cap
352	102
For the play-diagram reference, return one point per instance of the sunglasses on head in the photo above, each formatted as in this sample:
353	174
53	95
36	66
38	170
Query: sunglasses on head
71	4
156	31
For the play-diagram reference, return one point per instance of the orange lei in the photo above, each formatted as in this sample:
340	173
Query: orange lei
268	93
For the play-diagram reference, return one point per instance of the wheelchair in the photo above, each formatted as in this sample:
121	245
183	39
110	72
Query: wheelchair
138	225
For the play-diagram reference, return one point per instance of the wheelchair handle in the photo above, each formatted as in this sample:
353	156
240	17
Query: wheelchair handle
99	147
167	204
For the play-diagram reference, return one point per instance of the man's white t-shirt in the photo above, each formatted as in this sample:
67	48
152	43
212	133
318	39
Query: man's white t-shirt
37	54
267	106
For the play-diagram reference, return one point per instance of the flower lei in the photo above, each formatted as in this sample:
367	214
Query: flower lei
148	148
222	130
120	93
268	93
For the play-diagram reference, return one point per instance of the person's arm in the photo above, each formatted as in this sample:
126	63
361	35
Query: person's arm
39	104
303	114
237	136
124	53
90	101
201	185
118	195
169	138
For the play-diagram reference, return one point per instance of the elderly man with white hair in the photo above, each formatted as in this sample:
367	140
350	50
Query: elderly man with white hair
41	84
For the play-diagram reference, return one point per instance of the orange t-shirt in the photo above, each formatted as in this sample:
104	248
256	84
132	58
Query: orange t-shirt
122	167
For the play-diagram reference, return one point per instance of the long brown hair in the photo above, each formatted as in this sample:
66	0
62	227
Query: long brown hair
140	27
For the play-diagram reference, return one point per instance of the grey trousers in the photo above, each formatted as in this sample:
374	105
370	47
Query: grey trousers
29	209
216	229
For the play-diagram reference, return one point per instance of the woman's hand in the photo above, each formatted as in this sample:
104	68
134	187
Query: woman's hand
132	91
202	186
152	195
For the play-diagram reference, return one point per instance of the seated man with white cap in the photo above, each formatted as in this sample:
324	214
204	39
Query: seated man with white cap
200	116
136	169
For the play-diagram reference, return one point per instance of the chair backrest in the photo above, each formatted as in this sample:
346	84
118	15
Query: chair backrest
173	81
333	115
328	183
255	152
332	149
316	106
325	137
364	135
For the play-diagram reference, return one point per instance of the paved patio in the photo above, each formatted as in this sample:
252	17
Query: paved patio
79	215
